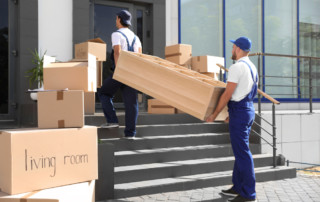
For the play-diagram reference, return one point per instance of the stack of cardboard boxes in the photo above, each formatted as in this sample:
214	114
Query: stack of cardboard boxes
207	65
177	86
181	54
58	161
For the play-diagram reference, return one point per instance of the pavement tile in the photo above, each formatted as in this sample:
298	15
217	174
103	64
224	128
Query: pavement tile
304	188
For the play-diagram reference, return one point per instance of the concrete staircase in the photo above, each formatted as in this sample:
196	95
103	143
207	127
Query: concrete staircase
176	152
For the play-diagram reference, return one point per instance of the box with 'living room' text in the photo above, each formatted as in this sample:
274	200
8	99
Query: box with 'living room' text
61	109
80	192
33	159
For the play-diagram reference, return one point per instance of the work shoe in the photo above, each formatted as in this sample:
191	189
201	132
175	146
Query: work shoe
241	199
110	125
229	192
129	137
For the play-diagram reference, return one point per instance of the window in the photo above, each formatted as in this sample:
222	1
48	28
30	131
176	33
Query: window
309	45
281	38
238	24
201	26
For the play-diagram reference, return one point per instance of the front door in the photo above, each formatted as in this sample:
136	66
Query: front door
7	55
105	24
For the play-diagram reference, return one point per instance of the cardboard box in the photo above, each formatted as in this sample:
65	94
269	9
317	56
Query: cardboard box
180	54
161	110
61	109
71	75
206	63
158	107
96	47
89	103
99	70
187	90
33	159
157	103
213	75
81	192
99	74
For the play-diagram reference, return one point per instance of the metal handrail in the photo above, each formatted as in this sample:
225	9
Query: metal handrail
274	101
309	58
259	91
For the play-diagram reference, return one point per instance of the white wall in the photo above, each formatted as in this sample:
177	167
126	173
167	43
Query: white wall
298	136
172	22
55	28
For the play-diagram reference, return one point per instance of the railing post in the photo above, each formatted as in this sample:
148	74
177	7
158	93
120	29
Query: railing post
310	85
274	135
259	96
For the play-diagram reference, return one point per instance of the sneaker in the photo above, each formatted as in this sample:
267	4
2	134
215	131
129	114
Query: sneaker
110	125
129	137
229	192
241	199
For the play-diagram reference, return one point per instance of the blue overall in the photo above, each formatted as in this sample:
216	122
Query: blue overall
241	117
129	95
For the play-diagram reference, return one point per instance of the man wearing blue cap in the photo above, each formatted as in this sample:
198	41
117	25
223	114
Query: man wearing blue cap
239	94
122	39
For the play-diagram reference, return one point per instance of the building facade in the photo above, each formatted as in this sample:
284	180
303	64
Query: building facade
281	27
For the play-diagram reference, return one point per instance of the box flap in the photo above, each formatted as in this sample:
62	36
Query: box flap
96	40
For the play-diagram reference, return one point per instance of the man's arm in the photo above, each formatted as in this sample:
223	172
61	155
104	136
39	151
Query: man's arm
223	101
117	50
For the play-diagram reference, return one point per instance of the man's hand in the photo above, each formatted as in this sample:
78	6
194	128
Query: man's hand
211	118
223	101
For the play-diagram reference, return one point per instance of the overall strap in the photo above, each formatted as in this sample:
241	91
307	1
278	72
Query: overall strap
130	48
255	81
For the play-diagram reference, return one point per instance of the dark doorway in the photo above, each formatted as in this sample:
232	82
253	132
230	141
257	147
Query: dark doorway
104	25
4	64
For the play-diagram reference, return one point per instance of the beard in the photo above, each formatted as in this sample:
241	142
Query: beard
234	56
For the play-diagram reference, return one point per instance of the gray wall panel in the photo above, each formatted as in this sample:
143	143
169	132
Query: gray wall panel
28	40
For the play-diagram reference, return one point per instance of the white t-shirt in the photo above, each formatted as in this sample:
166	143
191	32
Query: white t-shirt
240	73
118	39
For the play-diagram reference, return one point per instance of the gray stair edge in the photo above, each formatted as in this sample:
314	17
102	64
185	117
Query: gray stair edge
217	179
165	129
179	140
145	118
125	174
174	154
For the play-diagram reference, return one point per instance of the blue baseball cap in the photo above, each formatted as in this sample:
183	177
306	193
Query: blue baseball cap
125	16
243	43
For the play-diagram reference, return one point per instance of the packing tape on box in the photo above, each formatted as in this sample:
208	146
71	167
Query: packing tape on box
25	198
198	58
175	54
59	95
172	55
61	124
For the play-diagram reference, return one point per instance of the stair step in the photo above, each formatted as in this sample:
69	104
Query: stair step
145	119
169	129
134	173
154	142
197	181
125	158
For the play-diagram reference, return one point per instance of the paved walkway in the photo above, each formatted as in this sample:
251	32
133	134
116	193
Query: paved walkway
304	188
